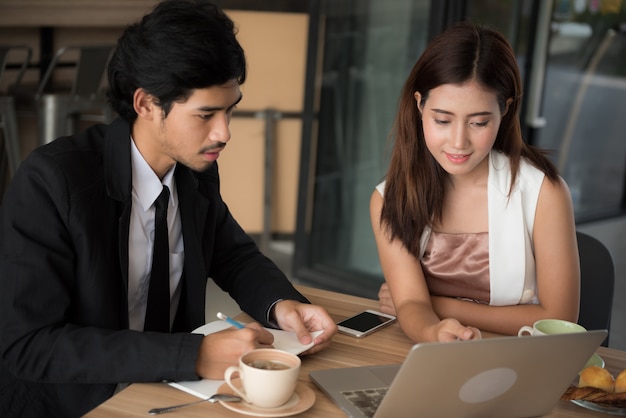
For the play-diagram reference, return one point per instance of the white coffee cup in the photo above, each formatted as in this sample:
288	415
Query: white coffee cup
267	377
551	326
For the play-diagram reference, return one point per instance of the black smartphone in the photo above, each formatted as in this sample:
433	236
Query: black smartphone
364	323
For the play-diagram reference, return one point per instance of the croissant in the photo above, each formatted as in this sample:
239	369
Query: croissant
597	385
595	395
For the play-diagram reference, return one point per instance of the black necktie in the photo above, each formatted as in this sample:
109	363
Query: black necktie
158	308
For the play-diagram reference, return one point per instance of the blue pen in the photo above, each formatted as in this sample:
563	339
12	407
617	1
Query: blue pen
230	320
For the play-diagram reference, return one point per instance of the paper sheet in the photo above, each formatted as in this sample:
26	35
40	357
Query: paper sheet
284	340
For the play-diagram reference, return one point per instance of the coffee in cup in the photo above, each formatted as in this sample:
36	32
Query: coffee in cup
267	377
551	326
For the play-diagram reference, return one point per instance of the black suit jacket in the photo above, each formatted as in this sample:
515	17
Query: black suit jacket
64	337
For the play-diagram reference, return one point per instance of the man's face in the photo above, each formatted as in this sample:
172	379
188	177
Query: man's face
195	131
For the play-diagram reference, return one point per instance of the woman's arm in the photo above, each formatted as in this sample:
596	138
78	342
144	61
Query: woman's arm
558	272
409	291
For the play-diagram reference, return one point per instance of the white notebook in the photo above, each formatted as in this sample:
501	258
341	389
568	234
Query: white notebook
284	340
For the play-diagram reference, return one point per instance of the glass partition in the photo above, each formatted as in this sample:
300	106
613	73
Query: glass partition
368	49
584	101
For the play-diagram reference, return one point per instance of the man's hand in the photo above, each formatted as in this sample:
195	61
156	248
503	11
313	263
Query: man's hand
222	349
304	318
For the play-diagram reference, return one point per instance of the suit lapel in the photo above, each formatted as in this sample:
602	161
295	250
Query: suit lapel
193	208
118	180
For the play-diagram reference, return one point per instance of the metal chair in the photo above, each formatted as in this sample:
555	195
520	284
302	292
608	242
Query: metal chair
60	108
10	151
597	281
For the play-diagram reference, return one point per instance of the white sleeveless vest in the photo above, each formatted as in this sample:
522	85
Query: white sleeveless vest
511	220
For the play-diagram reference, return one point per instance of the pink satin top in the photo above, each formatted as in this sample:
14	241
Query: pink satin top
457	265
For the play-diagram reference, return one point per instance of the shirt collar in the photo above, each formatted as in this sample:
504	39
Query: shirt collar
146	184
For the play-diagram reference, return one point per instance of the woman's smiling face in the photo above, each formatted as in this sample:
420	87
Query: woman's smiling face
460	123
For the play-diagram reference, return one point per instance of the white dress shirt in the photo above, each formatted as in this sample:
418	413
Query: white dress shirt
146	188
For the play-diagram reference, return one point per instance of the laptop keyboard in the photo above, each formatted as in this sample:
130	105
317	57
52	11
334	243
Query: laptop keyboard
366	401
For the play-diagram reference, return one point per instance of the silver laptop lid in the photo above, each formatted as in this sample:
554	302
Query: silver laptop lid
493	377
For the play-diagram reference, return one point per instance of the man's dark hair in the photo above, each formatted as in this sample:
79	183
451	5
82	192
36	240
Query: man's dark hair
180	46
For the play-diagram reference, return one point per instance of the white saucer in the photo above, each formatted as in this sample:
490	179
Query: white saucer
303	398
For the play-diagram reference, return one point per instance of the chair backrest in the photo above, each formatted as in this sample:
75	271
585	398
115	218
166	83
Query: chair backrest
9	139
5	52
90	68
597	281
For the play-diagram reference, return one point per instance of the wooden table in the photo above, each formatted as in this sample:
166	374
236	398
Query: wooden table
387	346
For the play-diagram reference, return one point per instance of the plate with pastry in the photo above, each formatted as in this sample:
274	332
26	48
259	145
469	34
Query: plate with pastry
594	360
599	391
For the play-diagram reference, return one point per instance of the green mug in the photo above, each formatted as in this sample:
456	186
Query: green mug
551	326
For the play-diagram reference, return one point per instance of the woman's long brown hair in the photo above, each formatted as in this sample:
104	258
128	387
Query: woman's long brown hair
414	188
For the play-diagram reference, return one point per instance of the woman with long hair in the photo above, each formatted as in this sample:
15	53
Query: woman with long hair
474	228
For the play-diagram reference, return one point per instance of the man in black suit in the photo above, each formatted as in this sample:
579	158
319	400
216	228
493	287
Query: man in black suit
77	222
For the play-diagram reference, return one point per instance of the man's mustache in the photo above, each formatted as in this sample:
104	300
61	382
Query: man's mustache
216	146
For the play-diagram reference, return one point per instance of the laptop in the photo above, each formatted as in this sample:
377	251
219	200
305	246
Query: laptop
493	377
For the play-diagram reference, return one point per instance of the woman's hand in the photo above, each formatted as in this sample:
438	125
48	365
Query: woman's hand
450	329
385	301
447	330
